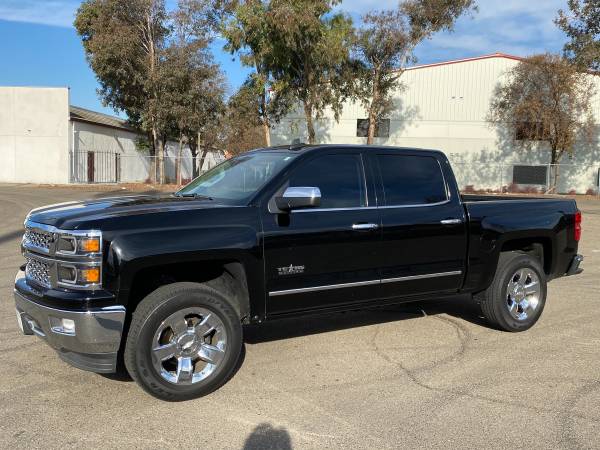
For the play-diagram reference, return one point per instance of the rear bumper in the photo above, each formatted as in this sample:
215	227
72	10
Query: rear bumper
91	339
574	268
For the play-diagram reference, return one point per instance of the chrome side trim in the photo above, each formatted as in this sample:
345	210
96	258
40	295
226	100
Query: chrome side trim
323	288
422	277
369	207
363	283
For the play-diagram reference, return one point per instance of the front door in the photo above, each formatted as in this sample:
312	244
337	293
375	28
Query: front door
324	256
424	238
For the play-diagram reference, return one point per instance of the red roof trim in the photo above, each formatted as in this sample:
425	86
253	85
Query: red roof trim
476	58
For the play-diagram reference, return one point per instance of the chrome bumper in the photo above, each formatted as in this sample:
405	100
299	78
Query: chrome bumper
91	343
574	268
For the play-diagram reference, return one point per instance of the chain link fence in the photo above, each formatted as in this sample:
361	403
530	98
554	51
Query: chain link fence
473	177
111	167
525	178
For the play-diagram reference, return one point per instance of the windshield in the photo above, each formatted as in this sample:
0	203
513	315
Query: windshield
236	180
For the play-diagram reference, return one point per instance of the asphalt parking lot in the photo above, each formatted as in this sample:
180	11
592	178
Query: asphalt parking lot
420	375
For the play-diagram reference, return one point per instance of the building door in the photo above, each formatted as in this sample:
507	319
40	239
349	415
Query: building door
90	167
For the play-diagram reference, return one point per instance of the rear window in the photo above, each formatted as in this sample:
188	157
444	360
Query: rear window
411	180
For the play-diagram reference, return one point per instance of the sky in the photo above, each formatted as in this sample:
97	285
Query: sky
39	46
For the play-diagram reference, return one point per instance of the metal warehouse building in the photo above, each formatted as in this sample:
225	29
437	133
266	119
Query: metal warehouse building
444	106
44	139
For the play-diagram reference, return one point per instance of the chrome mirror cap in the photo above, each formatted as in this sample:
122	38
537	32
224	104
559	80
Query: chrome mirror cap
298	197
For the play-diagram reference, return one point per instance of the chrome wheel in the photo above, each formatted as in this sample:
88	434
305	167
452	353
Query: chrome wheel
523	294
189	345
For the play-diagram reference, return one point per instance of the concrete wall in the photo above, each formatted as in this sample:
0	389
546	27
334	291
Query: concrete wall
444	107
34	135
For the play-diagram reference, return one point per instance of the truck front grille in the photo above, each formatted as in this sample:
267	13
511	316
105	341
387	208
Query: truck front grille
38	271
37	239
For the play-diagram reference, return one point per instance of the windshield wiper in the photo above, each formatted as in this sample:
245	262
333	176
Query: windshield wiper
194	195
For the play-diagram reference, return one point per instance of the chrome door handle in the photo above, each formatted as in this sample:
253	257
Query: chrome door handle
451	221
365	226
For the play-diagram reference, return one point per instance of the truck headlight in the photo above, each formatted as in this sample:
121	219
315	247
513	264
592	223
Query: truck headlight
83	275
87	243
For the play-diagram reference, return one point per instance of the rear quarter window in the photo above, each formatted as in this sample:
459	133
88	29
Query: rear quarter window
411	180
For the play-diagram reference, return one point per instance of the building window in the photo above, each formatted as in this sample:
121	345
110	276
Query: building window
382	129
530	131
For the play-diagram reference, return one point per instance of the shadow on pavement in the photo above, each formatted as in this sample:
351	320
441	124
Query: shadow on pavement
267	437
11	235
461	307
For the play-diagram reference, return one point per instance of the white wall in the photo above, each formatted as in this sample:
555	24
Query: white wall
34	136
135	165
444	107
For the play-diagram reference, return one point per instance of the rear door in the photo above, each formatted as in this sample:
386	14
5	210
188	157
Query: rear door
424	239
325	256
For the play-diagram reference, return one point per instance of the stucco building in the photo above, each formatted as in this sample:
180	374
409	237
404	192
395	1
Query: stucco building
44	139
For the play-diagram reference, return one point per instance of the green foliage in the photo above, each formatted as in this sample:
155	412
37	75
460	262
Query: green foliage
310	55
582	26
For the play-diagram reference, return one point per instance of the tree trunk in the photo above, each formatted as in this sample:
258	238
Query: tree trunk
178	166
265	118
555	170
203	157
373	112
309	123
161	162
156	147
267	131
194	152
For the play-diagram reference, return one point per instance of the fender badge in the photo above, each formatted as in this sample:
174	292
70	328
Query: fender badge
290	270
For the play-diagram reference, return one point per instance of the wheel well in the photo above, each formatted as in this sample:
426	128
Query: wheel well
540	248
227	277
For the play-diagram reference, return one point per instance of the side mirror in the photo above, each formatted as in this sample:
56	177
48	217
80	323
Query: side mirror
299	197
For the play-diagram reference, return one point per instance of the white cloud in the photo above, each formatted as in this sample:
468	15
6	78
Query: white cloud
520	27
58	13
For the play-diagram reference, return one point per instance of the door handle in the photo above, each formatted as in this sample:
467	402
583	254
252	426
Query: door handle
451	221
365	226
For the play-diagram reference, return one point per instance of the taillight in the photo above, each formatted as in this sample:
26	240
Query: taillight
578	226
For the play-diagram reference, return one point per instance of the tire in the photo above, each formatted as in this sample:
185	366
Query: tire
198	326
506	305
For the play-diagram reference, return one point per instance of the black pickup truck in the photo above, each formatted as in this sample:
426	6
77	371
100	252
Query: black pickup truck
165	283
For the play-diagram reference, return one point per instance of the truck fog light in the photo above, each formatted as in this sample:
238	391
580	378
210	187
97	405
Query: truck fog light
62	326
68	326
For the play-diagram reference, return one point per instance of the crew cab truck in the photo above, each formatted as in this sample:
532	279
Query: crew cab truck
165	283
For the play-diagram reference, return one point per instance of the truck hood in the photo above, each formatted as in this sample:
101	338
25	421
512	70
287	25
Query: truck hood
69	215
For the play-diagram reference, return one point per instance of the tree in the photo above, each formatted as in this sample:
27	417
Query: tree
123	41
310	55
242	128
545	98
194	103
385	44
582	26
247	33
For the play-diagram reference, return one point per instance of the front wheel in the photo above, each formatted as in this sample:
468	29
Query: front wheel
517	296
184	341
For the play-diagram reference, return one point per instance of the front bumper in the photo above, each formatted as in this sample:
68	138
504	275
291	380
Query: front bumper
90	342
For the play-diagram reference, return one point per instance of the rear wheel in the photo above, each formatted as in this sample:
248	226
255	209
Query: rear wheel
517	296
184	341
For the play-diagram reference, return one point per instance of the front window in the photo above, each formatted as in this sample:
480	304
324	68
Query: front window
235	181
